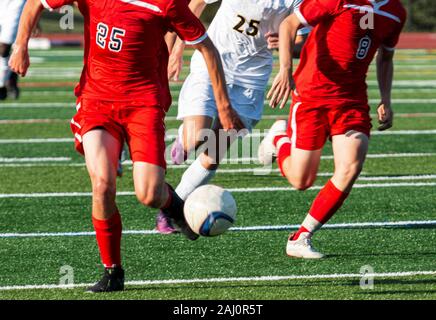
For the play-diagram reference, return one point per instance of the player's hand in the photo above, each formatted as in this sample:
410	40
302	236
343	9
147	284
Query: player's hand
281	89
230	120
385	116
272	40
19	61
175	64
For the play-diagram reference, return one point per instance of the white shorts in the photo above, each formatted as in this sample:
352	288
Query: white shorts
197	99
10	12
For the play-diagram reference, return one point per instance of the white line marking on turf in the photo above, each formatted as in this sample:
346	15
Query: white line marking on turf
235	190
355	225
128	163
68	105
48	159
37	105
174	118
234	279
172	137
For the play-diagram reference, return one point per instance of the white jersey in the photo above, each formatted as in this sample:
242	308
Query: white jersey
10	12
238	32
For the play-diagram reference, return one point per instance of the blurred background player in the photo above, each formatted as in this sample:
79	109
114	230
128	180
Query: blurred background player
244	32
330	99
124	96
10	12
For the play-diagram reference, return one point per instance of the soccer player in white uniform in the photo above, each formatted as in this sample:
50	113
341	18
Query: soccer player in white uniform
10	12
244	32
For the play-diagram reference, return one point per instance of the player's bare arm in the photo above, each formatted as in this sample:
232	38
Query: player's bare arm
273	42
228	117
385	72
283	83
175	62
19	61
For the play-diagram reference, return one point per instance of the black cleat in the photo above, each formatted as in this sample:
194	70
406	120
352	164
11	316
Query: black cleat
112	280
176	216
3	93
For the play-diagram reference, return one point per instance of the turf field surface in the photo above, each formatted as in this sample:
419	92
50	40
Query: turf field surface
387	225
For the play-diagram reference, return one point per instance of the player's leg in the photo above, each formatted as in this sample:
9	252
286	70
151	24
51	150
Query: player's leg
4	69
12	86
191	135
202	170
101	151
145	131
9	19
349	155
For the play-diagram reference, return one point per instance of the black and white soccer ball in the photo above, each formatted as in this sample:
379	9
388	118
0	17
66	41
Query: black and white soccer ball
210	210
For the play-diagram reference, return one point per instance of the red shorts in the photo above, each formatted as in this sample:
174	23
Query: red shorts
311	123
142	127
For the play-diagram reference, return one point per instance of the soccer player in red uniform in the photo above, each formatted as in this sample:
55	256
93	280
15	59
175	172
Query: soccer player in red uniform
330	99
123	95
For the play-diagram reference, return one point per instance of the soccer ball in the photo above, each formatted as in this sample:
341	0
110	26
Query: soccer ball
210	210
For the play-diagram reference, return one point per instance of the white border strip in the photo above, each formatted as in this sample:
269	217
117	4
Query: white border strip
235	279
234	190
355	225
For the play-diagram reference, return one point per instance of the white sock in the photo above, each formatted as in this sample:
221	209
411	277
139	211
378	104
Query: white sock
195	176
4	71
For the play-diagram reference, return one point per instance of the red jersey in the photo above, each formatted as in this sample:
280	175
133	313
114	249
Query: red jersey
125	52
346	35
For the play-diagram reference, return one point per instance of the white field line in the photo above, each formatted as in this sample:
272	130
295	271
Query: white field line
47	159
175	103
234	190
70	92
174	118
171	137
40	162
354	225
235	279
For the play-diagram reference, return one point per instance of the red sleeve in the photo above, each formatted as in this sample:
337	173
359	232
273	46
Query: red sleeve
187	26
55	4
312	12
392	40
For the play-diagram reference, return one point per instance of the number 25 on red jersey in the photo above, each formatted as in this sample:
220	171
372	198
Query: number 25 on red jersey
115	40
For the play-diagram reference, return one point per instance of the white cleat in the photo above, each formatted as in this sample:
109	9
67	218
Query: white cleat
267	152
302	247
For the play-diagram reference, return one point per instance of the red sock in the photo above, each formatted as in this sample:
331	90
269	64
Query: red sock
283	143
325	205
108	233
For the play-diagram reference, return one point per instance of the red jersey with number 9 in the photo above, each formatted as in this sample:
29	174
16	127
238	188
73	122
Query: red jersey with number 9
346	35
126	56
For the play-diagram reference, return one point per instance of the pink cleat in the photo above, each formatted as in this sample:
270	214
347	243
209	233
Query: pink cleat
164	225
178	154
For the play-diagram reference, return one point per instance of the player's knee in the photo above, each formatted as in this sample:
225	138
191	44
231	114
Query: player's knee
152	197
302	183
348	171
5	50
103	188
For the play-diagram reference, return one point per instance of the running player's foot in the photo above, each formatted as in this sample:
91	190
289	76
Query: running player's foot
302	247
178	155
267	150
112	280
164	225
185	229
3	93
